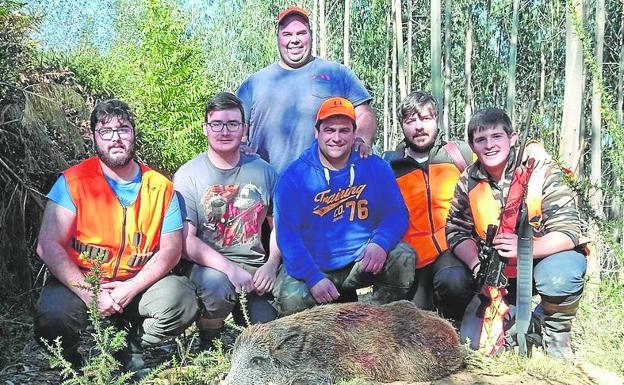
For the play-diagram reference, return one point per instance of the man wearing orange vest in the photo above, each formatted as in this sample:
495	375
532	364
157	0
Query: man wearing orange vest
427	169
114	209
559	265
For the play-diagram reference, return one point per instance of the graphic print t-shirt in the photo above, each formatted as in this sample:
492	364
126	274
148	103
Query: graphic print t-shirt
228	206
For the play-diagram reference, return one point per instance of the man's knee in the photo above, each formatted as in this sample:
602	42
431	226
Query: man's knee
291	295
215	291
59	313
400	267
453	282
561	274
169	306
453	288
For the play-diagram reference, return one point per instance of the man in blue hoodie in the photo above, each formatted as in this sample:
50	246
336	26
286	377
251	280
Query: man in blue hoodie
339	218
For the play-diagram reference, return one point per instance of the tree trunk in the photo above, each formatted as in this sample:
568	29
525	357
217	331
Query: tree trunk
386	112
410	50
314	28
513	47
620	89
446	115
596	148
436	53
593	262
468	72
398	36
542	89
570	138
393	103
345	40
322	30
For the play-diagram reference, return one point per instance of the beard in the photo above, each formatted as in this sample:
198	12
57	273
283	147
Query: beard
416	148
116	162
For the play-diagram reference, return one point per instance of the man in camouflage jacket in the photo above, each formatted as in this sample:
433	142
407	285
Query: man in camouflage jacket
559	265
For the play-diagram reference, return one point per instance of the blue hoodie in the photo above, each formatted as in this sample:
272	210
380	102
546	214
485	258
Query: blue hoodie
325	218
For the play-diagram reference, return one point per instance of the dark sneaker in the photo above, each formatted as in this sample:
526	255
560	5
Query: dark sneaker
208	337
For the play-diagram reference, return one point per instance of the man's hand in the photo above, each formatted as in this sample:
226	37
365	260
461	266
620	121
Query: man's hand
264	278
240	278
362	147
373	258
324	291
107	305
121	292
506	245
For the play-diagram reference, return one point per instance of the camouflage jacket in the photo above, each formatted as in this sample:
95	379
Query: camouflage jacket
559	212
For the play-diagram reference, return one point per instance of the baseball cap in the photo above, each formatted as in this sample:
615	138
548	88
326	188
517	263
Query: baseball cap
292	10
336	106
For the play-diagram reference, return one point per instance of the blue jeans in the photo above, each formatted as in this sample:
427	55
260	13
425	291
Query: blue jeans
561	274
219	297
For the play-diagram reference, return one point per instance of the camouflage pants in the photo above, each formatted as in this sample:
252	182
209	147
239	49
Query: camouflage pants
392	283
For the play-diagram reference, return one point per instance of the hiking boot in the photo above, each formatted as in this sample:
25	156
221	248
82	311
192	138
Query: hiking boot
208	337
131	359
75	359
556	326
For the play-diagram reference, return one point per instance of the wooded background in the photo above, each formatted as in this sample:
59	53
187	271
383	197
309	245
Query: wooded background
166	58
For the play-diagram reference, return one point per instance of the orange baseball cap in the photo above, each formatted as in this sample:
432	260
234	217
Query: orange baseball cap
336	106
292	10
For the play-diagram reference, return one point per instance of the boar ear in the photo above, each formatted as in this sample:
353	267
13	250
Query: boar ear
288	346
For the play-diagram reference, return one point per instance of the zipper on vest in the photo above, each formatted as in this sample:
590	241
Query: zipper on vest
429	208
123	243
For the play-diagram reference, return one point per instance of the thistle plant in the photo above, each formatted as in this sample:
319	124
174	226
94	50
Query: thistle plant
100	365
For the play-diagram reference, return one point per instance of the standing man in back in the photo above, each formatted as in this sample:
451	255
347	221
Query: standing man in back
281	100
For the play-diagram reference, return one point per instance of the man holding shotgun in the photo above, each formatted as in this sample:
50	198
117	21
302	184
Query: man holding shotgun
481	195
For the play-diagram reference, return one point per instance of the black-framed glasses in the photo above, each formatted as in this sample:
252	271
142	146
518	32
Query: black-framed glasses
107	133
217	125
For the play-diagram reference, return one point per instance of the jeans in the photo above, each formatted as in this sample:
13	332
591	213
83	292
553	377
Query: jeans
219	297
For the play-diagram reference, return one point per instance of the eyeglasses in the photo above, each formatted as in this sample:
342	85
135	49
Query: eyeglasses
217	125
108	133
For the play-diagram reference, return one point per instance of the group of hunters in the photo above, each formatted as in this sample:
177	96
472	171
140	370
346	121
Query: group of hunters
289	206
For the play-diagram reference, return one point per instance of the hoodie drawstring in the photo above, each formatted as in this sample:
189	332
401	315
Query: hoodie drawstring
351	174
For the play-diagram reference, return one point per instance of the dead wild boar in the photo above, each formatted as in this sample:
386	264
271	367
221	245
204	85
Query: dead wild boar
394	342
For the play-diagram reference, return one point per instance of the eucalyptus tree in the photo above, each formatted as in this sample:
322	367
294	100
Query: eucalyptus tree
436	52
570	143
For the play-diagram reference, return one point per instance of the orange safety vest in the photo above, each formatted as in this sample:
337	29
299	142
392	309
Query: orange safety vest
428	199
486	211
123	238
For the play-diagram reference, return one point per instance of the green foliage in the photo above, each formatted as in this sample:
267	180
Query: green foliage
16	47
159	68
614	138
205	368
601	321
99	368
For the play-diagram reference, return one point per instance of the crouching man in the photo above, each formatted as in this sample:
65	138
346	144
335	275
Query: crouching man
228	195
559	266
119	211
338	216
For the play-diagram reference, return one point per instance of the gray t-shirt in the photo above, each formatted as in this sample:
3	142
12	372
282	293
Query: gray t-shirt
228	206
281	105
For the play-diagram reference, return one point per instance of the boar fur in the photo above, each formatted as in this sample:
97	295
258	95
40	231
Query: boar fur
394	342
